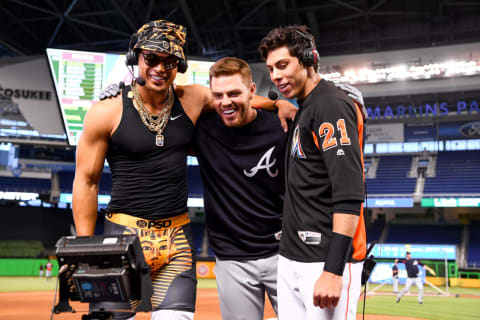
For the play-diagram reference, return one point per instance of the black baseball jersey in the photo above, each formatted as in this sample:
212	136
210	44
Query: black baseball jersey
412	267
242	170
149	181
324	174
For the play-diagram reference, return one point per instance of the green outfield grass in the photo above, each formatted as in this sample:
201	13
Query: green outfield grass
426	289
9	284
435	307
463	307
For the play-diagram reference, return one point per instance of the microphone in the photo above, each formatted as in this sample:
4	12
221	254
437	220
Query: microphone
139	80
272	95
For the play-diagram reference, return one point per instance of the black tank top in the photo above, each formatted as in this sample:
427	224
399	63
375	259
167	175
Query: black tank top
149	181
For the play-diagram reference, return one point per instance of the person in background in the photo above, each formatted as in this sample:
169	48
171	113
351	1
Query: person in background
395	276
40	274
413	276
48	270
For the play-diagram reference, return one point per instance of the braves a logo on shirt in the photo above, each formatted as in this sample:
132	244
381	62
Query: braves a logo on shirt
296	144
264	163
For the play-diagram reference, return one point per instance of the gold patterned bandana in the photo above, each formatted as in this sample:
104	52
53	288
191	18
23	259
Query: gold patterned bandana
162	36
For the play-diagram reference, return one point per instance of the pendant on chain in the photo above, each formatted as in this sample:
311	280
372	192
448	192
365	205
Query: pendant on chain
159	140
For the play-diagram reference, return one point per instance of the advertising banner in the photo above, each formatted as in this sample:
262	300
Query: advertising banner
451	202
459	130
27	96
420	132
390	202
384	133
206	269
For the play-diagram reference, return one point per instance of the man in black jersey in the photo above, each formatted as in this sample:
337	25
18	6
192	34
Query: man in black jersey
145	135
241	154
323	240
413	276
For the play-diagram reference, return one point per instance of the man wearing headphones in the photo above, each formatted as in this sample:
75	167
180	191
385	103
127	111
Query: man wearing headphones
145	135
323	239
146	151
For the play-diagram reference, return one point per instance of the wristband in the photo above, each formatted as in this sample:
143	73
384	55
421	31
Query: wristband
275	107
338	253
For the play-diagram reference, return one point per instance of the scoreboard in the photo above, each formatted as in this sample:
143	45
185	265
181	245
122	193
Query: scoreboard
80	76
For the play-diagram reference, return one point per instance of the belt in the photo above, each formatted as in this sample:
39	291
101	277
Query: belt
139	223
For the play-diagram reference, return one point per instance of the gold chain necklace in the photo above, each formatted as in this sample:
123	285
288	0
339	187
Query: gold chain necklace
155	123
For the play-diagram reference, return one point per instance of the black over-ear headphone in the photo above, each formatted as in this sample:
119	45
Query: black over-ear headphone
310	55
131	58
183	64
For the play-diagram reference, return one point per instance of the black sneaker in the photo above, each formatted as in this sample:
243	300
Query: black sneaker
397	300
420	302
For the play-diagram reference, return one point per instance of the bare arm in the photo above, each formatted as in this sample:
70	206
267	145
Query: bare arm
429	269
91	152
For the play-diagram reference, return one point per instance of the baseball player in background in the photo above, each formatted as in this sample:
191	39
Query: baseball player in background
323	242
413	277
395	276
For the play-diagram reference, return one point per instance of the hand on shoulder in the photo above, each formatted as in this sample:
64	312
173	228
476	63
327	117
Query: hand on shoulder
104	115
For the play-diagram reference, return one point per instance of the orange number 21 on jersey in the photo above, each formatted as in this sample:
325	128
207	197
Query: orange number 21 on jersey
327	130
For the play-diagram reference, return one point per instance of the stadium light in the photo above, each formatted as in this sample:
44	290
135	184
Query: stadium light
405	72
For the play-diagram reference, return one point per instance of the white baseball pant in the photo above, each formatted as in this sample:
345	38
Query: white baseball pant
295	285
418	283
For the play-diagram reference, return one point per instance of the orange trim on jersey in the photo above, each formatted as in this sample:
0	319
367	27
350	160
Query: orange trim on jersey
348	290
315	139
360	237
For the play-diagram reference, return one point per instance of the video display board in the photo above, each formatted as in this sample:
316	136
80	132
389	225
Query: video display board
418	251
80	76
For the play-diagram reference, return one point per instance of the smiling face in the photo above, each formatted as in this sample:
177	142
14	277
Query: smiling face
232	97
288	74
157	69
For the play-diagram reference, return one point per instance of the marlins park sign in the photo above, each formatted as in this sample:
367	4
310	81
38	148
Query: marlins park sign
427	110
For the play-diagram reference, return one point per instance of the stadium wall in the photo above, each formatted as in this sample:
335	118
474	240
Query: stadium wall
25	267
46	225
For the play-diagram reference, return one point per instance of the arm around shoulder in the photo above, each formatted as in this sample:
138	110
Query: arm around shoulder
195	100
286	110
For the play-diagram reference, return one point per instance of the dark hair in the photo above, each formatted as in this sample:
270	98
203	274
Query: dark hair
408	252
231	66
296	38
